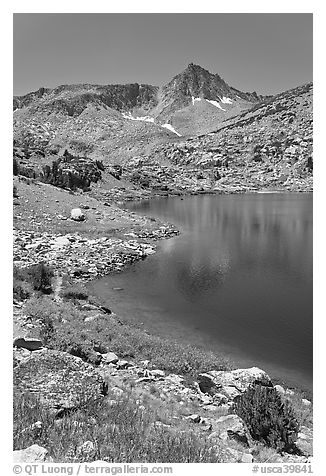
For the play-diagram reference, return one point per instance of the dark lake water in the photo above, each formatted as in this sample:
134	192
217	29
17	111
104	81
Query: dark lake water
237	280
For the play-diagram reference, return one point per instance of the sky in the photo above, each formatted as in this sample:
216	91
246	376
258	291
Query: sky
263	52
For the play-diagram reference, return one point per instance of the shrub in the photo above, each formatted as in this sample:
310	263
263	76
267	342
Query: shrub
38	275
269	418
76	291
21	290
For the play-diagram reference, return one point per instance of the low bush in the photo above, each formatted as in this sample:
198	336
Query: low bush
76	291
21	290
39	276
269	417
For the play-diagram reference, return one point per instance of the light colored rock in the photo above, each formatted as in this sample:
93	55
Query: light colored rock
279	389
110	358
76	214
117	391
60	380
87	449
89	307
93	317
28	343
231	426
289	392
145	363
175	379
232	383
158	373
305	440
206	399
32	454
220	399
247	458
60	242
306	402
20	354
194	418
38	425
123	364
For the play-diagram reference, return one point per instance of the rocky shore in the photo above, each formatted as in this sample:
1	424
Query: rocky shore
82	258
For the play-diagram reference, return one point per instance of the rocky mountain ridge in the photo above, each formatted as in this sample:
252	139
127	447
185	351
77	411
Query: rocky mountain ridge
268	146
169	104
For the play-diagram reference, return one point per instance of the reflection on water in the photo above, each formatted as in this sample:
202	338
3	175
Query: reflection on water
238	278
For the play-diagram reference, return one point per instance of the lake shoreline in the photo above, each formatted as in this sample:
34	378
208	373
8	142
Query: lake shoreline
182	231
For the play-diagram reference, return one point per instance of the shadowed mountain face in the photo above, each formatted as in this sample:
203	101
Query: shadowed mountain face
73	99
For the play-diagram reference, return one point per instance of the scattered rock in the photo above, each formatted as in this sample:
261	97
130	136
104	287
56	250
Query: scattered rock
232	383
247	458
77	215
60	380
231	426
305	441
194	418
123	364
158	373
32	454
279	389
28	343
86	450
306	402
20	354
109	358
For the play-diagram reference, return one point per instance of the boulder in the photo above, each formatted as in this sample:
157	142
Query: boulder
232	383
123	364
279	389
109	358
32	454
247	458
60	242
28	343
231	427
77	215
86	450
305	441
307	403
61	381
194	418
20	354
158	373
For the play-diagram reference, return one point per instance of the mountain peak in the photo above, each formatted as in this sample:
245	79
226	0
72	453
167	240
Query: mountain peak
193	66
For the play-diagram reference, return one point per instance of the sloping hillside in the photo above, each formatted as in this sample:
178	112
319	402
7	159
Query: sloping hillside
269	145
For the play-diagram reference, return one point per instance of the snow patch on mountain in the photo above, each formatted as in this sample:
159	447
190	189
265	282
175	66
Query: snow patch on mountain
150	119
171	128
141	118
216	104
195	99
225	100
